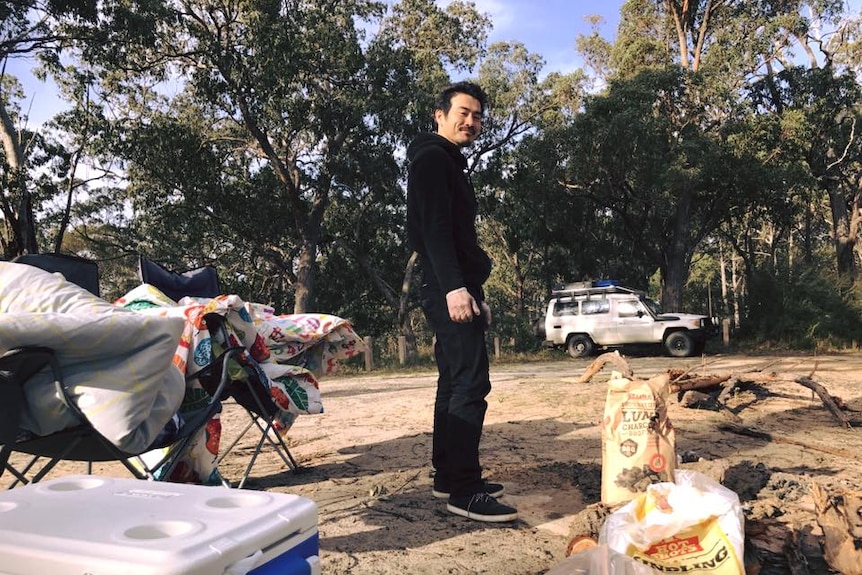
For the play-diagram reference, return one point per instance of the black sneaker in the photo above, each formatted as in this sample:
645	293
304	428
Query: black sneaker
493	489
481	507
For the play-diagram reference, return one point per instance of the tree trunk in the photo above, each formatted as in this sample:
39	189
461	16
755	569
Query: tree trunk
736	288
9	137
674	270
18	235
304	293
26	223
725	298
403	316
845	241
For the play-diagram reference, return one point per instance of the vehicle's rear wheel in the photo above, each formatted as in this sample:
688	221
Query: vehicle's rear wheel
579	346
679	344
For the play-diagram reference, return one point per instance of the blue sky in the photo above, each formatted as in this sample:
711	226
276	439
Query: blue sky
550	27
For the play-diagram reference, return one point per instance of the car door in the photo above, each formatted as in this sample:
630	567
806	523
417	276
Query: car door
634	324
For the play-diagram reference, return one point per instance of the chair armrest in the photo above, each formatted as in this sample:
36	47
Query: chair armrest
19	365
218	367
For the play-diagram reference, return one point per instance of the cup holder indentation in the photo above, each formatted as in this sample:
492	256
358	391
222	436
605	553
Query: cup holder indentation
74	484
7	506
238	500
161	530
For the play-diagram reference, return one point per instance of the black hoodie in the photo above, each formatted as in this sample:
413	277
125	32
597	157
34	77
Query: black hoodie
441	215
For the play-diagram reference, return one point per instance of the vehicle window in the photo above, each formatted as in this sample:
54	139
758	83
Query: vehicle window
595	306
653	306
628	308
566	308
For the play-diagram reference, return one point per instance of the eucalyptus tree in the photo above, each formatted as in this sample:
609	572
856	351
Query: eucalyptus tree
17	232
778	58
799	116
418	46
238	123
31	30
517	175
725	48
640	153
816	111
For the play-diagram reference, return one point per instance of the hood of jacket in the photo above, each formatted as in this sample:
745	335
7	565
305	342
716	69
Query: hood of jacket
426	140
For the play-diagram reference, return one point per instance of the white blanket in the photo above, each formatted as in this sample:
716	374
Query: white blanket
118	363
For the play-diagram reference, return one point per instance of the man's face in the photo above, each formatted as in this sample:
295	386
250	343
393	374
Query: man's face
462	124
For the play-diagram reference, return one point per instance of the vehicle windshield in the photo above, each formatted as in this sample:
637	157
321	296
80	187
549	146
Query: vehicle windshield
653	306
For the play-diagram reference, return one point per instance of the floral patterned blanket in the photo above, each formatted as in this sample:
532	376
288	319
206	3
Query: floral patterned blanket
285	353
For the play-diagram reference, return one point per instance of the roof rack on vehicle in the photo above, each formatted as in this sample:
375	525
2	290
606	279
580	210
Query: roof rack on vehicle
595	287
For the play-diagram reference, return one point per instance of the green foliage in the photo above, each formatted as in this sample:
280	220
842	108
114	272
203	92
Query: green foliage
644	156
272	123
803	310
643	39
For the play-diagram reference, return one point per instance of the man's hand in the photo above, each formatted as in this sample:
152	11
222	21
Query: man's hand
462	307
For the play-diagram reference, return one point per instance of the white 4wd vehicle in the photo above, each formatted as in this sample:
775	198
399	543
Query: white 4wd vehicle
587	315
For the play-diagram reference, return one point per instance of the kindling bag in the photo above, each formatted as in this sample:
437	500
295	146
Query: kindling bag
695	525
638	444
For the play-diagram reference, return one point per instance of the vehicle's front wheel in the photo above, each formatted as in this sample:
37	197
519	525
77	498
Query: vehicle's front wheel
579	346
679	344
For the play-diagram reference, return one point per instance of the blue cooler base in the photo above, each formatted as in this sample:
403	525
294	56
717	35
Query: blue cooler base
301	559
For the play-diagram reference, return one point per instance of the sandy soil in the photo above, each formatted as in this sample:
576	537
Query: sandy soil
365	462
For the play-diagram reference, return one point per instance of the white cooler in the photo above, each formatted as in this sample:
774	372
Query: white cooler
86	524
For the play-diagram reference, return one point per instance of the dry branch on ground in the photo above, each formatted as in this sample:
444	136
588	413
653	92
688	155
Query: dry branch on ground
599	363
725	384
840	517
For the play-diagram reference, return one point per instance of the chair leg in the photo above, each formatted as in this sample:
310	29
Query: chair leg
45	470
230	447
278	444
21	476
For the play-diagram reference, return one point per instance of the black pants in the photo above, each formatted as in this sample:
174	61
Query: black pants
462	385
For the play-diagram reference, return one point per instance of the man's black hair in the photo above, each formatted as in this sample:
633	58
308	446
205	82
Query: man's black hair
444	98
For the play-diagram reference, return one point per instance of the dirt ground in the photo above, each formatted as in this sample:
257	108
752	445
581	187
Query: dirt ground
365	462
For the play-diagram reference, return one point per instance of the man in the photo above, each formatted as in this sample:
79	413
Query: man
441	213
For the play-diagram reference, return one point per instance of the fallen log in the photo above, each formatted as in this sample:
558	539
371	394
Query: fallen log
728	382
712	380
840	517
698	382
827	400
599	363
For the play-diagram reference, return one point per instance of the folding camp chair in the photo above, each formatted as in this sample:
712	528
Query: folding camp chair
82	441
250	392
78	270
197	282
